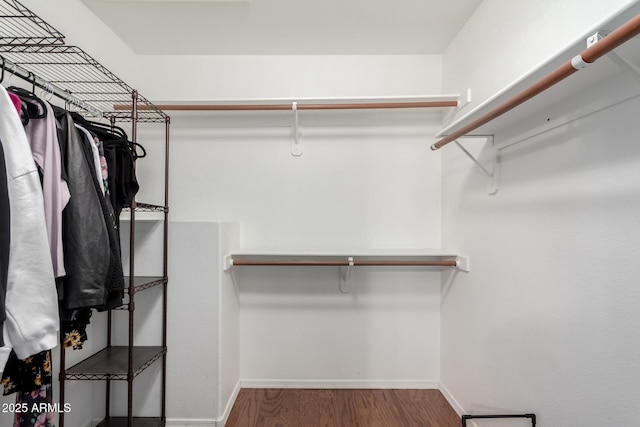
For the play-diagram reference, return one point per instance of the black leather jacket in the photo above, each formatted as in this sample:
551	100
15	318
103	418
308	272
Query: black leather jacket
92	257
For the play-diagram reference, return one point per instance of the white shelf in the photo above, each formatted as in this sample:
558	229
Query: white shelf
370	252
600	71
344	255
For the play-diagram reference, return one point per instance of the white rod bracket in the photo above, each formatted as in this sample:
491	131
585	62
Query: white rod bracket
296	146
629	67
228	266
346	279
492	172
463	263
227	262
462	103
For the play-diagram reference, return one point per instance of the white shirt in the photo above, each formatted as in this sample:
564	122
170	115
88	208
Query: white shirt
31	302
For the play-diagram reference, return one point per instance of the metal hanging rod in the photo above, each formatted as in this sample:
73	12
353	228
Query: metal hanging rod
616	38
12	69
437	102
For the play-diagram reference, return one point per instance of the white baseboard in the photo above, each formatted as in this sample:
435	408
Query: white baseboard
222	420
328	384
455	404
176	422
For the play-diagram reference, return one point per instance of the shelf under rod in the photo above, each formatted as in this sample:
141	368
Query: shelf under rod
616	38
288	107
344	263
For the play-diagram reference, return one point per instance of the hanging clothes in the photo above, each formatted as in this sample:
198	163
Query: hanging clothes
43	140
115	282
121	155
85	232
5	238
94	150
25	376
32	316
38	402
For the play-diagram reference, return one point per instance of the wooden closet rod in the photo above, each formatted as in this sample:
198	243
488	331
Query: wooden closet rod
344	263
616	38
289	106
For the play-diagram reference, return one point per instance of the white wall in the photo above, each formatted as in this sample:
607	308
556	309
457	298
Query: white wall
545	321
288	76
357	185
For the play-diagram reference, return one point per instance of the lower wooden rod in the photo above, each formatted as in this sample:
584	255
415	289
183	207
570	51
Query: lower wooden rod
311	263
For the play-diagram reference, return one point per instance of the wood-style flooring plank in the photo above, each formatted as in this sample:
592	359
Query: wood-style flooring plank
341	408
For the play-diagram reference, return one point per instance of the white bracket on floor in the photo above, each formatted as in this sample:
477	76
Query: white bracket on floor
492	171
462	103
346	278
296	146
627	66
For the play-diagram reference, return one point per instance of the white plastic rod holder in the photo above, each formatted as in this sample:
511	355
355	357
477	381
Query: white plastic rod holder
462	103
463	263
296	147
346	281
625	64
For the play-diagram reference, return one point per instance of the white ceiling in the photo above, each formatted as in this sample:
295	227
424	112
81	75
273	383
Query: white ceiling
285	27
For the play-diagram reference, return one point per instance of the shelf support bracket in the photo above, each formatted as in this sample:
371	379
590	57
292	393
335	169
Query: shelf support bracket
296	146
627	66
346	278
492	170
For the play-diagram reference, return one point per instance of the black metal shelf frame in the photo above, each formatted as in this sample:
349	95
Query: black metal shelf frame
34	51
137	422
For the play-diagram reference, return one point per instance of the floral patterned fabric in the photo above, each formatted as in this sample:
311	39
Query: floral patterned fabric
26	375
30	379
73	327
38	399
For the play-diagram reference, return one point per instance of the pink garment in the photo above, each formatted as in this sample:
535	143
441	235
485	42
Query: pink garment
43	140
16	103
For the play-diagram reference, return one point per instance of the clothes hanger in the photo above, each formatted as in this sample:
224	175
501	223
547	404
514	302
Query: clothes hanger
36	108
47	92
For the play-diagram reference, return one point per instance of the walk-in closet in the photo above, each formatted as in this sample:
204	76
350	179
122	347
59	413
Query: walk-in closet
260	213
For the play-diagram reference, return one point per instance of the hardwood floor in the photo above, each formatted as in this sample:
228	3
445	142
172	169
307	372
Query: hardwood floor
341	408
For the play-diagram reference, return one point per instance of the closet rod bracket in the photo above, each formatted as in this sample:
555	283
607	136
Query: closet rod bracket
346	278
492	170
462	103
629	67
296	146
463	263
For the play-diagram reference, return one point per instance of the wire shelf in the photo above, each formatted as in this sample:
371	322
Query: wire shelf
20	26
112	363
74	71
